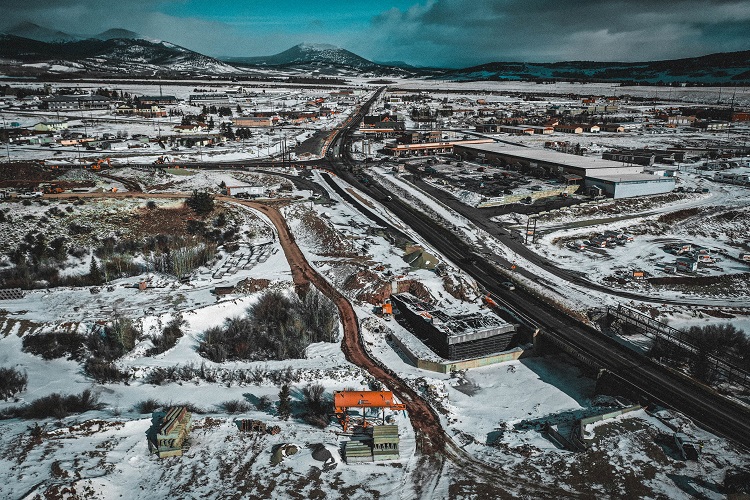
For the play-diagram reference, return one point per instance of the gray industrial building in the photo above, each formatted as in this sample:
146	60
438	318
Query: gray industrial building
628	186
465	336
613	178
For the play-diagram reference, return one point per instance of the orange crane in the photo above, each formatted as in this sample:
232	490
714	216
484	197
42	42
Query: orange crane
344	400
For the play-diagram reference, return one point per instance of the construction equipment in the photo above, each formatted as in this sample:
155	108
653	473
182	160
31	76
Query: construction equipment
344	400
52	188
97	165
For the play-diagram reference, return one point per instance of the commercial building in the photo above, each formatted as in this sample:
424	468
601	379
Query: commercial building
464	336
612	178
74	102
428	148
630	185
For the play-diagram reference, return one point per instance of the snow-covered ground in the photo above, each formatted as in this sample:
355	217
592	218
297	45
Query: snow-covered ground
494	413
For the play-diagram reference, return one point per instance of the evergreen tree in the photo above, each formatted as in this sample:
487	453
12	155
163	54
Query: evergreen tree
95	274
285	404
201	202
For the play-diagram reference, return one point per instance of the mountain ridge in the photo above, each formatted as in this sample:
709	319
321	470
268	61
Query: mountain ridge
119	51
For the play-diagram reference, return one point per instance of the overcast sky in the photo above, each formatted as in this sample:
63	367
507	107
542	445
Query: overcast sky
454	33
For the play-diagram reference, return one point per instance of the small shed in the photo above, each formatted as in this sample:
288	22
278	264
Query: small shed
169	431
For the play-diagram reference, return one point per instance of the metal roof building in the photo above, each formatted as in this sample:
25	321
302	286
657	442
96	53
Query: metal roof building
613	178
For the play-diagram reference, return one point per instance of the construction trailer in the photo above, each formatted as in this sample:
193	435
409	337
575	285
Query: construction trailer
246	190
169	431
343	401
456	337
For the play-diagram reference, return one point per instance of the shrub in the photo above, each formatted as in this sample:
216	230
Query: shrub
148	406
276	327
285	403
316	405
264	403
236	406
57	406
201	202
104	371
113	340
157	376
12	382
168	338
55	345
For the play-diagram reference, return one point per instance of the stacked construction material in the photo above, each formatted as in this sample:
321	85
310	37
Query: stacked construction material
357	450
171	431
385	442
253	426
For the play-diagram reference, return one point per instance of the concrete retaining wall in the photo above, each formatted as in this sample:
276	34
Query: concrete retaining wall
606	416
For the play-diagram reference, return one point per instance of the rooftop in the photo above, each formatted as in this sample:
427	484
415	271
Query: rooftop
625	178
546	155
457	328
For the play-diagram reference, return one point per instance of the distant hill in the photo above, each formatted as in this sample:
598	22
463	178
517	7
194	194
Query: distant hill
315	53
35	32
323	58
725	67
116	56
117	33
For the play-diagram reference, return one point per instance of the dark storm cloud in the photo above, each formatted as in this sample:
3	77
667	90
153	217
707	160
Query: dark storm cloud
430	32
466	32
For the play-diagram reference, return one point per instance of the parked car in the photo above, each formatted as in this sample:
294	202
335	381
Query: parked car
508	285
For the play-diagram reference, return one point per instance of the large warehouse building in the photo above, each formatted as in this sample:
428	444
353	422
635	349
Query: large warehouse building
463	336
613	178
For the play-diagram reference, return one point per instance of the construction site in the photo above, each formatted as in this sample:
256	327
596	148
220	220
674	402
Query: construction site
455	337
369	441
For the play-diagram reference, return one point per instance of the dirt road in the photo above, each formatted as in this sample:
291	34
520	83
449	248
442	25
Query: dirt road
430	436
438	454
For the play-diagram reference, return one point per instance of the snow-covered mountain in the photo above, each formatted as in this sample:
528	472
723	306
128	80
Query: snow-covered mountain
114	56
321	58
315	53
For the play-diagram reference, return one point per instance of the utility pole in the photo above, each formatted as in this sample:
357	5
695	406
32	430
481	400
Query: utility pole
530	230
7	138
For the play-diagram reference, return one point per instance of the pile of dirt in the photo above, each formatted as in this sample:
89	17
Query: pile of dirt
25	175
728	284
369	287
416	288
328	238
252	285
672	217
459	287
173	220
